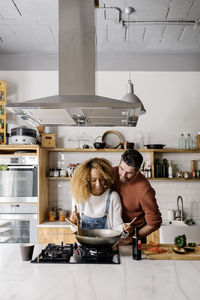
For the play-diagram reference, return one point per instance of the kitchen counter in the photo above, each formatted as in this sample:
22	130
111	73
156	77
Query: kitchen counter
145	279
54	224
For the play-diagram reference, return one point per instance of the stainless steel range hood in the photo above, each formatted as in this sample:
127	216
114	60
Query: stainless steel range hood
77	104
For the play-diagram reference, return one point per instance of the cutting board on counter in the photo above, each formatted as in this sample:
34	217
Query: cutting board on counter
170	254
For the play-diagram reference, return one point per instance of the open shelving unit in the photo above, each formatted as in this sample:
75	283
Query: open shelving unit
2	112
152	154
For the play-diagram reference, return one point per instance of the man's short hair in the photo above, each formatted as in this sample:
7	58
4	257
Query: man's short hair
132	158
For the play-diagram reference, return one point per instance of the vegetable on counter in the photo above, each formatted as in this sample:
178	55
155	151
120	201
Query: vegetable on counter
179	250
181	245
191	244
189	249
180	241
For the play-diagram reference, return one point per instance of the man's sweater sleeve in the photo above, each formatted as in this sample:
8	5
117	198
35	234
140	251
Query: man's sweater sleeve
150	207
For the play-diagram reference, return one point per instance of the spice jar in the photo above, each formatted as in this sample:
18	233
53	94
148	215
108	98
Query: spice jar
63	173
52	216
56	173
51	172
68	213
61	215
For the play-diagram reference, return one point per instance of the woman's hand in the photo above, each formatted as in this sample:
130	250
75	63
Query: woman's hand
74	217
127	228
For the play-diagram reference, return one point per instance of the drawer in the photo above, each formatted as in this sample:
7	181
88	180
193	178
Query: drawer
55	235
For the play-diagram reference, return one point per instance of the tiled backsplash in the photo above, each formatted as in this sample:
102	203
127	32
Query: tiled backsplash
166	191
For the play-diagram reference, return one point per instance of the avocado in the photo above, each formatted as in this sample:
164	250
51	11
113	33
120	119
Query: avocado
179	250
191	244
189	249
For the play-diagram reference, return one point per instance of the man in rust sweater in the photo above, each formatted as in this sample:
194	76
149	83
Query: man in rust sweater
137	195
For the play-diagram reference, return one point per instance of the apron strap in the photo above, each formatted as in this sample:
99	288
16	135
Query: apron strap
108	202
82	207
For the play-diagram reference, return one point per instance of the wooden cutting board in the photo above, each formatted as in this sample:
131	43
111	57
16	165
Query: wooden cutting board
170	254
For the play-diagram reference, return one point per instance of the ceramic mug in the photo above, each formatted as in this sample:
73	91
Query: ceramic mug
26	251
170	215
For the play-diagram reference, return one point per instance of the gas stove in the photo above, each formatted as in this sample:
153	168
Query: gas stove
75	254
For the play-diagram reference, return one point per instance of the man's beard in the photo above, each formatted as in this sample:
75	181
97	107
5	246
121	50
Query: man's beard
122	179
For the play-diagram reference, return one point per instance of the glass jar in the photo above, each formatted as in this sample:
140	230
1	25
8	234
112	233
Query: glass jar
68	213
63	173
61	215
56	173
52	216
51	172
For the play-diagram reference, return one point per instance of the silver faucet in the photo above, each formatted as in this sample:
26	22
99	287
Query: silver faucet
179	212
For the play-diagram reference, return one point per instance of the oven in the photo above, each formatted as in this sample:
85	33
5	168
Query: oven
18	178
18	223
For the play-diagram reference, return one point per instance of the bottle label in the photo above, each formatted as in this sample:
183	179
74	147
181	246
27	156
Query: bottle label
139	245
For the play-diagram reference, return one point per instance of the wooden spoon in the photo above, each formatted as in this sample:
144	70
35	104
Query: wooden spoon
71	223
78	223
130	224
133	221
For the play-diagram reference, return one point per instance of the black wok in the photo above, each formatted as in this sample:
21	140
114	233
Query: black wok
98	237
155	146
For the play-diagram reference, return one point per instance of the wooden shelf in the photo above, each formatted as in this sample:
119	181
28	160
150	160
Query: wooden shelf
12	149
58	178
158	179
83	150
167	150
174	179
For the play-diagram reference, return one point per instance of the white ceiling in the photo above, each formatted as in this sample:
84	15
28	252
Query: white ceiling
30	27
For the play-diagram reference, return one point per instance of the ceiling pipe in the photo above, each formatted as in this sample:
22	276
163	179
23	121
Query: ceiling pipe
161	22
129	10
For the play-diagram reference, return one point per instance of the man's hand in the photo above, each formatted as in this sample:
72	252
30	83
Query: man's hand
123	242
128	228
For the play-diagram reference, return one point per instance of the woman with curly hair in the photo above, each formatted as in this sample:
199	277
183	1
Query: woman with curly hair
97	205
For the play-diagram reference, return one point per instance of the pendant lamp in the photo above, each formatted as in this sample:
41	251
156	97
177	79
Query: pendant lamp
130	95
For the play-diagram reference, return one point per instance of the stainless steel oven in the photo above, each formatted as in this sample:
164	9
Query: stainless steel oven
18	223
18	178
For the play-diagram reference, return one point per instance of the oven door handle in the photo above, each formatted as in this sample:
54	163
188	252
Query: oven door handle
17	216
20	167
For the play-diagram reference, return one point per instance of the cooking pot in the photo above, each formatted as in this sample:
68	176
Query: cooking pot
99	145
98	237
155	146
23	131
127	145
22	135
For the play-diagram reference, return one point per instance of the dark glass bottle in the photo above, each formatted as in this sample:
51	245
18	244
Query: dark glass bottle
137	251
165	168
158	169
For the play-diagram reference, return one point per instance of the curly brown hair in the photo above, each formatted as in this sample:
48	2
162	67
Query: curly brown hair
80	182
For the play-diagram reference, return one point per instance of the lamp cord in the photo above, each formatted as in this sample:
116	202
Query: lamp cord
129	52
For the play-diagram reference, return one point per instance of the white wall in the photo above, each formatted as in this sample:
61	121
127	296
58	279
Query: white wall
170	98
28	85
172	103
